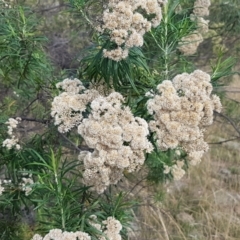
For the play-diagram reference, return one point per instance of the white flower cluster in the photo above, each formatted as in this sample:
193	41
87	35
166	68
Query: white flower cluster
182	108
118	138
189	44
67	108
110	228
127	26
58	234
110	231
12	142
94	222
202	24
176	170
199	12
26	183
113	228
201	8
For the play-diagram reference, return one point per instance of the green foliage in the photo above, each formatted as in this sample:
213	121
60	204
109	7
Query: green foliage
164	39
156	162
128	76
222	68
226	14
22	59
57	184
119	206
9	229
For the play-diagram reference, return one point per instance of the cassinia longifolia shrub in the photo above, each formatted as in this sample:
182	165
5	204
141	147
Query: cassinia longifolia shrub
121	112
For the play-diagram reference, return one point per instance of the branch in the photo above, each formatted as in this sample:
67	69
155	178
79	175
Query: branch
224	141
79	148
131	190
35	120
229	120
34	100
52	8
234	100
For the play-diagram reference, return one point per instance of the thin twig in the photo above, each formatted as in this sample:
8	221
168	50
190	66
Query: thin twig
52	8
234	100
229	120
72	143
35	120
135	185
79	148
34	100
224	141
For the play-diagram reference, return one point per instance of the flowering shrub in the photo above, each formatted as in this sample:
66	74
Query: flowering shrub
124	110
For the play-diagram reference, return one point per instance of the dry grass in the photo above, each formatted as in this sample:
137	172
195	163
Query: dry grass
204	205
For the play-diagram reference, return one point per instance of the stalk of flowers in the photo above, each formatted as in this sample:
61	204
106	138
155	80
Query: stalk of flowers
68	106
118	138
181	109
126	25
12	142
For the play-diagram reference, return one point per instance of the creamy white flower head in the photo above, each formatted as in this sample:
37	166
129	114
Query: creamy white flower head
182	109
201	7
195	157
189	44
217	103
177	171
118	138
37	237
202	25
68	106
113	228
71	85
13	122
12	142
57	234
116	54
26	185
135	39
127	25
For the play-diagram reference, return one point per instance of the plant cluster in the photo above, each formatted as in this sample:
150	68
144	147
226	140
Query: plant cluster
64	144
